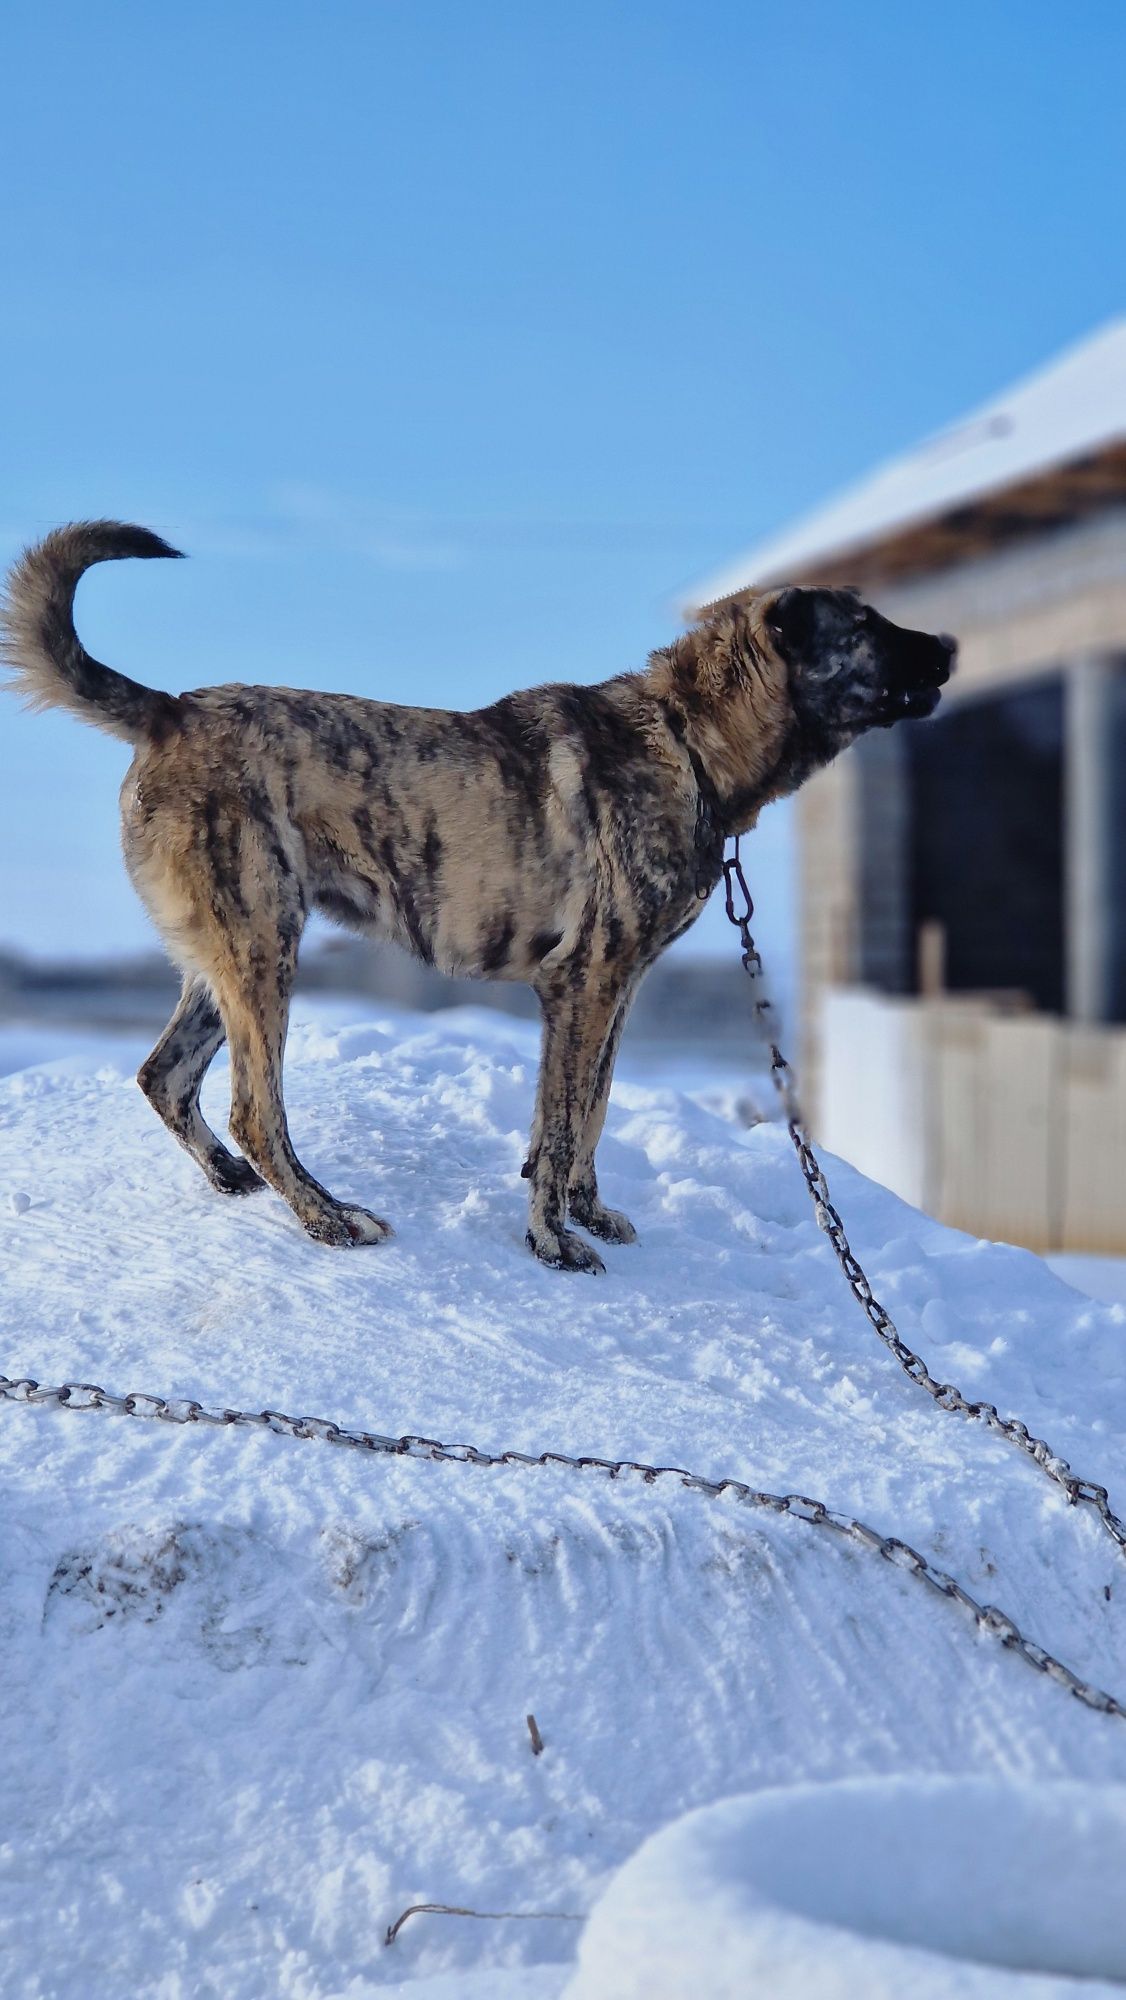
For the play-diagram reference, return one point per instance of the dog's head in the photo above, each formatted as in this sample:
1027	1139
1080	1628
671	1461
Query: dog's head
776	686
849	668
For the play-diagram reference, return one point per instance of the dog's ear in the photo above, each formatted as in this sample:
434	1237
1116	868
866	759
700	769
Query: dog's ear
791	620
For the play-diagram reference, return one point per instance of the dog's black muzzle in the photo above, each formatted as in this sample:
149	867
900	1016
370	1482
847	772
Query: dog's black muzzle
920	665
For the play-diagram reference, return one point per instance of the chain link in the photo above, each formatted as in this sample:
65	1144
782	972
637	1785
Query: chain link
989	1619
946	1394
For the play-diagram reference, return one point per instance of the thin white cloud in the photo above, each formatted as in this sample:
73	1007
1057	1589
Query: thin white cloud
390	537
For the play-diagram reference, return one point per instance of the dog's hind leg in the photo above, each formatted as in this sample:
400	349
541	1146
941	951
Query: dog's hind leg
171	1079
583	1200
253	994
576	1023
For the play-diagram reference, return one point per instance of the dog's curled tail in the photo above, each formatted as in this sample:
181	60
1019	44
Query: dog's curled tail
38	642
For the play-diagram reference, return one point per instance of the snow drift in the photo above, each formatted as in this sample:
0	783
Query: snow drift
262	1695
937	1888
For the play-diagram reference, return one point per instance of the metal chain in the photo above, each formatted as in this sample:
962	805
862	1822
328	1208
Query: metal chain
798	1506
988	1618
945	1394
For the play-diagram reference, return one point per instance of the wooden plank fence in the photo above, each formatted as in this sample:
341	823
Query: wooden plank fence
1010	1125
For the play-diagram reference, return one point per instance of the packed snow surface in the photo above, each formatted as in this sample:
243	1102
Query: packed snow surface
260	1695
935	1888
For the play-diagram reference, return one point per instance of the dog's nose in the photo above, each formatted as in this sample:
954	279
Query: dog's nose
951	644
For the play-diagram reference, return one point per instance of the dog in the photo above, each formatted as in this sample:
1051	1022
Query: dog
563	836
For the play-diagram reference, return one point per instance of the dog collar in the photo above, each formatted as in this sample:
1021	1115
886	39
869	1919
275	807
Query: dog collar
709	833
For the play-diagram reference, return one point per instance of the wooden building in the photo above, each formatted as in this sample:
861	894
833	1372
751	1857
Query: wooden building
963	881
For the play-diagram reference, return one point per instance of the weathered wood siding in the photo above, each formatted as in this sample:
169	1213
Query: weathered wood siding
1007	1125
1029	610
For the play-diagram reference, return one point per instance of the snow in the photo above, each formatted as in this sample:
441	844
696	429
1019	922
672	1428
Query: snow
1076	405
940	1888
261	1695
1100	1277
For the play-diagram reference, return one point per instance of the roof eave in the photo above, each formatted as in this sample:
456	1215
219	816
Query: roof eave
1051	498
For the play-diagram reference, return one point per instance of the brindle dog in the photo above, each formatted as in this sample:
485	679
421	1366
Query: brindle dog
563	836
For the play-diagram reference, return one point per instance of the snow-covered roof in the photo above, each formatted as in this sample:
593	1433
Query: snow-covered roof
1075	406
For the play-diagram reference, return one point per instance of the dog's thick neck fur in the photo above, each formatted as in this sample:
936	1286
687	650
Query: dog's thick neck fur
724	691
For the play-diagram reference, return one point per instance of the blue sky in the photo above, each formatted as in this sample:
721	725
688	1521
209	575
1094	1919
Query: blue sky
452	341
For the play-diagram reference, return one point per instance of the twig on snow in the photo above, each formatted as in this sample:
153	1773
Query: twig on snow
492	1916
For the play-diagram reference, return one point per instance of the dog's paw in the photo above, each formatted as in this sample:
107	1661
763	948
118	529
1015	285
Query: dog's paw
608	1223
563	1250
344	1226
230	1175
364	1226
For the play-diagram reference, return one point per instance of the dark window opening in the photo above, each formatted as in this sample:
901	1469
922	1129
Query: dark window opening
985	787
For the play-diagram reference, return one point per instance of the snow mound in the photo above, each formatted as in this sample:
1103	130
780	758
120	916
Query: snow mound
941	1888
267	1694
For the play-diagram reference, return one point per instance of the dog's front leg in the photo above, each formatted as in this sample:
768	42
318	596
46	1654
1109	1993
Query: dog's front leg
576	1022
583	1199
